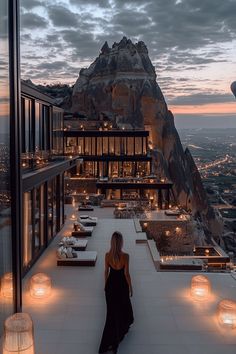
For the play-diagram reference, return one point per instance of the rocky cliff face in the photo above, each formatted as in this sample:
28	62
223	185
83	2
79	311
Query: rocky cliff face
121	85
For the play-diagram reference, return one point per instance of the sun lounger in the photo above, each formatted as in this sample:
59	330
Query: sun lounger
83	258
88	220
83	233
74	243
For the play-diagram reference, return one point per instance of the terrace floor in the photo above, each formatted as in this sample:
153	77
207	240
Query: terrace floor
167	321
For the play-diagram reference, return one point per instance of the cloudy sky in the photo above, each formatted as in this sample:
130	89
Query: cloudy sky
192	44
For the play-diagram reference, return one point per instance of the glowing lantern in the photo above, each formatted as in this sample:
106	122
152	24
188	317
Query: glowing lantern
200	287
7	285
73	217
227	313
18	334
145	224
40	285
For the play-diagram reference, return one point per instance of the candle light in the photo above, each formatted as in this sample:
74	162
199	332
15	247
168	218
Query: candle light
40	285
200	287
227	313
7	285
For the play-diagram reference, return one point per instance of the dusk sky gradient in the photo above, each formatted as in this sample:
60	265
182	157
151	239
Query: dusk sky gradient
192	44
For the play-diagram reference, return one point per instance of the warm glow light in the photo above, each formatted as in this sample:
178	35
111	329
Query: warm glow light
167	233
200	287
178	229
73	217
40	285
7	285
145	224
227	313
18	334
211	108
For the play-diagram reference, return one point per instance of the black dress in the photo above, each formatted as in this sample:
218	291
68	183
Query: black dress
119	310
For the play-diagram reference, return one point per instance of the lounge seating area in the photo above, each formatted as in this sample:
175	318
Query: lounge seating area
80	258
72	249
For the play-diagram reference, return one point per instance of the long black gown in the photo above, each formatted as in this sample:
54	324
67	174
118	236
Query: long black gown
119	310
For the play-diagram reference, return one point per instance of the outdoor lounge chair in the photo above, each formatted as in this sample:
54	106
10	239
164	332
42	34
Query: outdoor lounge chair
74	243
83	258
81	230
88	220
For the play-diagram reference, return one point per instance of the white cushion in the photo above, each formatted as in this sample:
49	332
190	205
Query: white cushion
61	253
69	252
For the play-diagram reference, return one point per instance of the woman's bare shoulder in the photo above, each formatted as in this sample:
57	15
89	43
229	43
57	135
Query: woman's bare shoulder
126	255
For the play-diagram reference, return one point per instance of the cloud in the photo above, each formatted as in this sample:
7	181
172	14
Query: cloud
100	3
31	20
62	17
201	99
30	4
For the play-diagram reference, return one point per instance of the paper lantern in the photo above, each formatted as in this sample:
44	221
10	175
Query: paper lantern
7	285
200	287
73	217
18	334
40	285
227	313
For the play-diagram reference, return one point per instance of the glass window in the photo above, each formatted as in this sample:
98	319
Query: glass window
87	148
99	146
37	127
105	145
81	146
123	146
27	143
144	145
6	308
138	145
93	152
117	145
112	145
27	229
57	131
130	146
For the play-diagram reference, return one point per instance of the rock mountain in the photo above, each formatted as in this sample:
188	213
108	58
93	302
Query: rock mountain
121	85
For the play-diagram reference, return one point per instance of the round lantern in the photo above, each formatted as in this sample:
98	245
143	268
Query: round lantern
200	287
40	285
18	334
7	285
227	313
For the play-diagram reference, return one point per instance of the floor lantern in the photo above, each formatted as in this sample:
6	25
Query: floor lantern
200	287
18	335
227	313
40	285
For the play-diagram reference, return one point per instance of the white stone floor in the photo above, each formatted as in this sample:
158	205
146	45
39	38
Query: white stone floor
167	321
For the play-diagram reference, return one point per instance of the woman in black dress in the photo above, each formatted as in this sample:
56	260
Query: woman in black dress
118	290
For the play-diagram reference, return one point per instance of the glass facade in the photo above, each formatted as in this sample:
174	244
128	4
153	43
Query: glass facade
112	169
43	216
42	131
100	146
6	304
